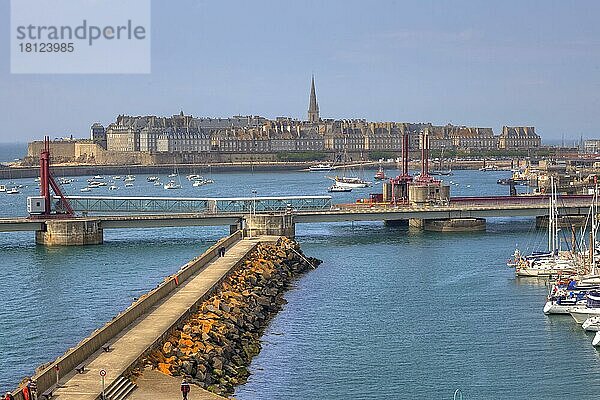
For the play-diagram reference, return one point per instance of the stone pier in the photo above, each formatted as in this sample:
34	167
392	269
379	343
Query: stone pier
449	225
272	225
70	232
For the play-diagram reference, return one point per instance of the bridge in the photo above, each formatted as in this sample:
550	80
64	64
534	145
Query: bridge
275	215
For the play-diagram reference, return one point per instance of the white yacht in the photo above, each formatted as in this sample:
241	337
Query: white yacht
350	182
337	188
591	308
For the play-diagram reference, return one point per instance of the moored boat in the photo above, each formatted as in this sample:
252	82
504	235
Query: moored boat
380	174
592	324
171	185
336	188
350	182
320	167
591	308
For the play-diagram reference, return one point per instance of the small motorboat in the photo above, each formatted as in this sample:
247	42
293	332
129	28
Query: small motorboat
194	177
336	188
129	178
320	167
157	183
117	177
380	174
171	185
129	184
12	191
113	187
592	324
98	177
198	183
86	189
152	178
174	175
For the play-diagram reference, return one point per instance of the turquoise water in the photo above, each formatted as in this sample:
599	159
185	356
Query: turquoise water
391	313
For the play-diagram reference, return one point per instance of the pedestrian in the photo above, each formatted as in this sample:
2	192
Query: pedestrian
8	396
32	385
185	389
26	394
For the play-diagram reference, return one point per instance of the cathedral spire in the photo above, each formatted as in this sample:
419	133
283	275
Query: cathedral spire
313	106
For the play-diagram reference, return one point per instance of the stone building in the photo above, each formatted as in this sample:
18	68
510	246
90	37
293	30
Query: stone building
518	138
98	134
184	140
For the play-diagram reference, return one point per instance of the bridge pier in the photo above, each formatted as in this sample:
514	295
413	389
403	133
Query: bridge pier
563	221
449	225
396	223
272	224
70	232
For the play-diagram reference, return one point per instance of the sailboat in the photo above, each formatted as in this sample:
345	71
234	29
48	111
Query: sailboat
440	170
551	263
345	181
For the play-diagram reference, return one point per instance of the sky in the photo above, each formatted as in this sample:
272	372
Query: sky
474	63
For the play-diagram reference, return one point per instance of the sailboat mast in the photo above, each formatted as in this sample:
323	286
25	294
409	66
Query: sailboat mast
593	232
550	217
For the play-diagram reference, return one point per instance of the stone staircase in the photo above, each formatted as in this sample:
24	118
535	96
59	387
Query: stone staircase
120	389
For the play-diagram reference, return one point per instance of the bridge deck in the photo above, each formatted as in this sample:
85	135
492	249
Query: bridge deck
132	343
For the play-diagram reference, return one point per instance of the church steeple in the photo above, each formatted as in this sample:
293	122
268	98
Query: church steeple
313	106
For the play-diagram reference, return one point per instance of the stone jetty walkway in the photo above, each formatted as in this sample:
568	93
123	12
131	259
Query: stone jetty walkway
132	343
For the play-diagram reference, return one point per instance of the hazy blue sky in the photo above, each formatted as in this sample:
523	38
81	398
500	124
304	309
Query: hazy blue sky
465	62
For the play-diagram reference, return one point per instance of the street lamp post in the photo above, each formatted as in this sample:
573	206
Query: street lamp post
253	211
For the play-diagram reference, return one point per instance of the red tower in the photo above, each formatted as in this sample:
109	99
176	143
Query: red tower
400	183
47	182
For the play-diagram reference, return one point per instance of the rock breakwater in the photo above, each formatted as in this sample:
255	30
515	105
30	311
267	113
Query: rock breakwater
215	345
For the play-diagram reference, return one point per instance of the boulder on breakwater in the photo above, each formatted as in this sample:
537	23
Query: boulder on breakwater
214	346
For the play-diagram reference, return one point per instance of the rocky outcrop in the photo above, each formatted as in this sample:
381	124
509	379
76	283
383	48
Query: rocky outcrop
215	345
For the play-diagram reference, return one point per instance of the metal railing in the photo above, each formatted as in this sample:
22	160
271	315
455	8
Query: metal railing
167	205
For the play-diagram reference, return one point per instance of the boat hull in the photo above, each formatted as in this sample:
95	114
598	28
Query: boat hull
580	314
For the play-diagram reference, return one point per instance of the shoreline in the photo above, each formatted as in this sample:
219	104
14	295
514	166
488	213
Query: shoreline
64	170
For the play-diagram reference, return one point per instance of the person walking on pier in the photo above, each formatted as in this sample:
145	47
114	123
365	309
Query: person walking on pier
185	389
32	386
